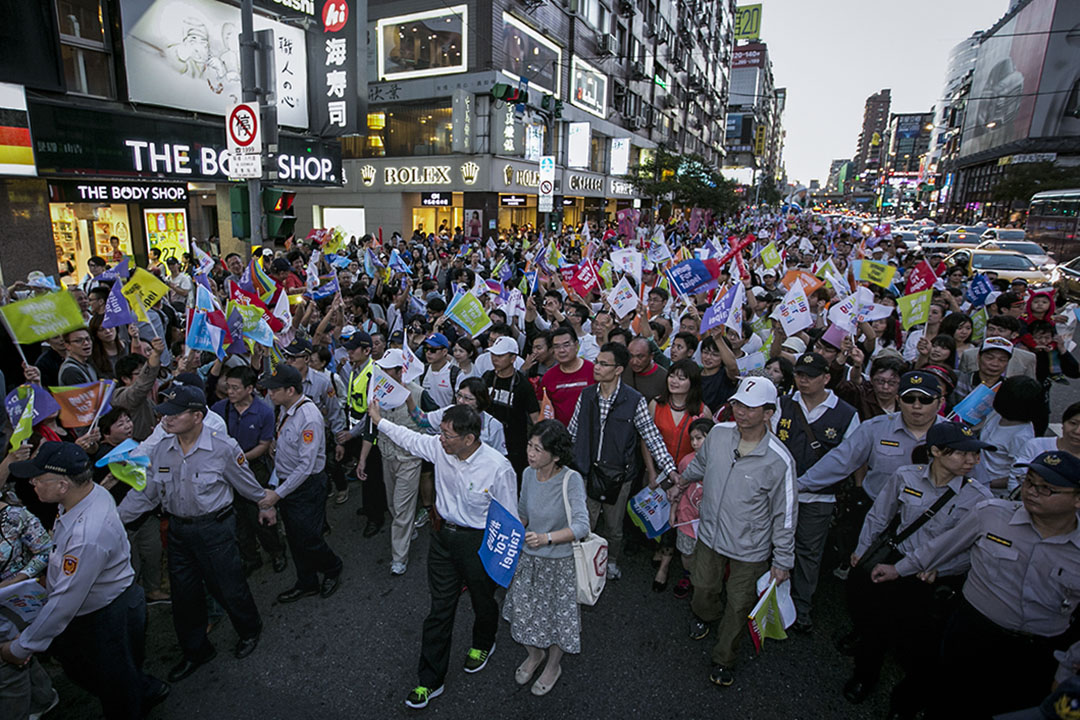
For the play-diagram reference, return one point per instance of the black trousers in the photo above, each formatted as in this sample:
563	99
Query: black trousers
103	651
972	648
452	562
303	512
249	530
907	616
204	552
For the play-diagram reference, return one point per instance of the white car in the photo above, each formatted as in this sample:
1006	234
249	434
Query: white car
1035	252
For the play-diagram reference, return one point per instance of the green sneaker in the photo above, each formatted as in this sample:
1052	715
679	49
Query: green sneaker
420	696
477	659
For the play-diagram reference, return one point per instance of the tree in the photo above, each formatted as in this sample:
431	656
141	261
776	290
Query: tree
769	194
1020	182
686	180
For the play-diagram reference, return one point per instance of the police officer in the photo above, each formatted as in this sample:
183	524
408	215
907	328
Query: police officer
194	472
811	422
1020	595
921	501
358	437
319	388
300	460
93	595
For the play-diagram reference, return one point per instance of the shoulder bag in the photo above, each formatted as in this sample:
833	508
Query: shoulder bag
885	548
590	557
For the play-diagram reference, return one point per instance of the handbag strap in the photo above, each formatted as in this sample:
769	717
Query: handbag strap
925	517
566	498
805	424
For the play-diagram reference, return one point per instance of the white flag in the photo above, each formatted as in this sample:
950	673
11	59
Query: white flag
794	312
386	391
412	368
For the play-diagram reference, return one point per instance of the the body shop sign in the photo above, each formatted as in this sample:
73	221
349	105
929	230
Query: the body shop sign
87	143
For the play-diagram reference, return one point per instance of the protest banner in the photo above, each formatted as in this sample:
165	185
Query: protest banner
501	547
764	619
650	511
386	391
978	325
979	290
43	403
975	408
80	405
412	368
23	423
919	278
41	317
810	282
144	290
24	599
692	276
469	313
794	311
623	299
914	309
771	256
547	408
124	466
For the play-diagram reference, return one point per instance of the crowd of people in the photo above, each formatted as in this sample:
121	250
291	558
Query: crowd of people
799	414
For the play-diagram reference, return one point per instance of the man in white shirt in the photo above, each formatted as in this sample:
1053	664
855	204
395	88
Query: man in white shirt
468	475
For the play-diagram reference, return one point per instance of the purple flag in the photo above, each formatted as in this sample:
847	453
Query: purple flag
117	310
44	404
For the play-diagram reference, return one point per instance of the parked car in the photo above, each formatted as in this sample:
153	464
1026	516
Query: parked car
1007	265
1004	234
1037	253
1066	278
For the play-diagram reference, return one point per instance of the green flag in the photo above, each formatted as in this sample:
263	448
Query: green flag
25	426
765	620
469	313
915	308
43	316
978	325
130	473
771	256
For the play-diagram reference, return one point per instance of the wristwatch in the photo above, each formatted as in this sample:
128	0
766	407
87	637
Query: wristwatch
666	483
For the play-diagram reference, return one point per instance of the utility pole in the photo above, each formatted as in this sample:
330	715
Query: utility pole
250	93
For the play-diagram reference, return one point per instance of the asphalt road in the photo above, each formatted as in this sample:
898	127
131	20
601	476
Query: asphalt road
355	654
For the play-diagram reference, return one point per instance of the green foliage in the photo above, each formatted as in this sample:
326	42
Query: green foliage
686	180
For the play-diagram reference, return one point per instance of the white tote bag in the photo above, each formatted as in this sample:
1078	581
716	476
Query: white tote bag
590	558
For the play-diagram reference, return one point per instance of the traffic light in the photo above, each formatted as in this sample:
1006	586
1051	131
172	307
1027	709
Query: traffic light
552	104
241	213
509	94
555	221
278	206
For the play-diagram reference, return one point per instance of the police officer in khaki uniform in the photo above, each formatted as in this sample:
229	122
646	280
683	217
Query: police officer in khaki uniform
194	472
1019	598
300	461
94	621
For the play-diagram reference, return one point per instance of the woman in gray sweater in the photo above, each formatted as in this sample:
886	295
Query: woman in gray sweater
541	604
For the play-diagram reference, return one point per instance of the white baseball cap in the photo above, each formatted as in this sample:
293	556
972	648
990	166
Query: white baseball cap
795	345
503	346
755	392
996	343
392	358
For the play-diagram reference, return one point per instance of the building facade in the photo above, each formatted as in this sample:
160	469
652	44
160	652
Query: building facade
440	152
755	134
875	120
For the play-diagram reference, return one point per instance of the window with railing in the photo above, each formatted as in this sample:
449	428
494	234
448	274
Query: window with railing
84	47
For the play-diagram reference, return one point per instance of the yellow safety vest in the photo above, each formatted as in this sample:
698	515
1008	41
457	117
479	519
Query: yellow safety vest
358	382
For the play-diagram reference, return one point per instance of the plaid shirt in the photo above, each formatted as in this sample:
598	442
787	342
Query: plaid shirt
644	424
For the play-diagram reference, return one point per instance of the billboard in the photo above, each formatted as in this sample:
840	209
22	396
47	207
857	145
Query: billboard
1057	107
748	22
577	145
421	44
751	54
527	53
1006	81
186	54
588	87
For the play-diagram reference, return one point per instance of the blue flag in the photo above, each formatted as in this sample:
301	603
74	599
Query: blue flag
328	285
718	312
690	277
202	335
974	408
397	264
502	543
117	310
44	404
235	322
980	288
121	271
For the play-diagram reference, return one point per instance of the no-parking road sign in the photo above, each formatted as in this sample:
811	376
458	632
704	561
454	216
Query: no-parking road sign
244	131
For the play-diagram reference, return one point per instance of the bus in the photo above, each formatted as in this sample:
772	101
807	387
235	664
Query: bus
1052	222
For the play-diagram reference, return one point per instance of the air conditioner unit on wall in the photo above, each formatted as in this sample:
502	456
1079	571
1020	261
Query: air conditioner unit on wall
605	45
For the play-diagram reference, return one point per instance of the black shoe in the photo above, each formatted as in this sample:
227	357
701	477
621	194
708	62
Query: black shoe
329	586
246	647
659	587
857	689
698	628
157	695
848	644
720	675
294	594
185	667
802	627
372	528
280	563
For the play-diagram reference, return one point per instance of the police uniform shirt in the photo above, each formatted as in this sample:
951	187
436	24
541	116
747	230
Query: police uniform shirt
1018	579
211	420
463	488
884	443
301	445
812	416
194	483
911	492
320	389
89	567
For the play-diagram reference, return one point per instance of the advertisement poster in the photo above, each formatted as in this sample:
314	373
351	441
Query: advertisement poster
474	224
167	230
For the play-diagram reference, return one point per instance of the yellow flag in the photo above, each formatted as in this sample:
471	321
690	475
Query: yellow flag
145	290
877	273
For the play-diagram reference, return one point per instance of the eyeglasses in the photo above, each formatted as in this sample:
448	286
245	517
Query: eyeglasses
912	398
885	382
563	346
600	363
464	397
1042	490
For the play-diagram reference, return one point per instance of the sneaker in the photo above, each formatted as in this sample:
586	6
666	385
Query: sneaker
475	660
420	696
698	628
841	572
52	704
613	572
397	568
720	675
341	497
422	518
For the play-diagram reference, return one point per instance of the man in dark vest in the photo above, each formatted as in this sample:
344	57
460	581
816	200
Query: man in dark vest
610	420
810	422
